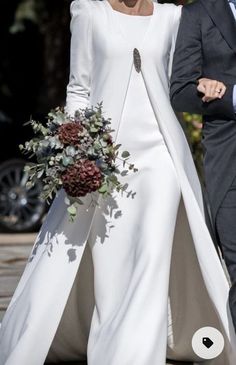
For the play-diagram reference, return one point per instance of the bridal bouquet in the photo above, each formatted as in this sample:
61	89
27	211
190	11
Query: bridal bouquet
77	154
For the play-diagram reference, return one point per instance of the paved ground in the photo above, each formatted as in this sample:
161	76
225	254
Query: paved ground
14	251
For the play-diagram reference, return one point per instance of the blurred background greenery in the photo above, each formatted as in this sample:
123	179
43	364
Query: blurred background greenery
34	62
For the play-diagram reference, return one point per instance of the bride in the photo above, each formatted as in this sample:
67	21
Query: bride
133	279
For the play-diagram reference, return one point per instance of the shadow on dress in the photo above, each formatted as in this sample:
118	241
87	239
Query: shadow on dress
52	234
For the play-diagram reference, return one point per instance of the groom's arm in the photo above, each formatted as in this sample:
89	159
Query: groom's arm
187	70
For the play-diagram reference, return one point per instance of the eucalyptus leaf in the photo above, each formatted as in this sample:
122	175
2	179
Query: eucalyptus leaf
125	154
67	160
72	210
93	129
113	178
103	143
103	189
40	174
67	201
97	145
70	151
117	146
125	187
29	184
27	168
98	123
79	201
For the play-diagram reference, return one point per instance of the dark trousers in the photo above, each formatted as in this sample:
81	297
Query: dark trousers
226	230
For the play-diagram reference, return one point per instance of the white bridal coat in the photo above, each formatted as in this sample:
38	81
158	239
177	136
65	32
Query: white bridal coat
55	296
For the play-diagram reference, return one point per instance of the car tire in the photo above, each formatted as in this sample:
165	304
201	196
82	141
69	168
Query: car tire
21	209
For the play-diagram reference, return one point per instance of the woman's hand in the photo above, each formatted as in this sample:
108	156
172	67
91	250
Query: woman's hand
212	89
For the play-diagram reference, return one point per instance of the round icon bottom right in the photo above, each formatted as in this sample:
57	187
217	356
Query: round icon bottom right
207	342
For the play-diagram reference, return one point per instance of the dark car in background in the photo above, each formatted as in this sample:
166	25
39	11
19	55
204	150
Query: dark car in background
21	74
21	208
34	63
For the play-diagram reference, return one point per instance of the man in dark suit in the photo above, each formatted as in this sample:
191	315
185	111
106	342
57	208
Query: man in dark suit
203	81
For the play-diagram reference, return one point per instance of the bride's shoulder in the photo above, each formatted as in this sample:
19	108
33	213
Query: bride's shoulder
171	11
78	5
81	14
86	5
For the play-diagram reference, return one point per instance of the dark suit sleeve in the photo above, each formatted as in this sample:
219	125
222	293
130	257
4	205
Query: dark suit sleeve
187	69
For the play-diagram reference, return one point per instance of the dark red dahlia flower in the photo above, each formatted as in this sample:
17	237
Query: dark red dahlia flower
68	133
81	178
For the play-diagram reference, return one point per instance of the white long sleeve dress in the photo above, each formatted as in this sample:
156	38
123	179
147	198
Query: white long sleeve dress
129	282
132	262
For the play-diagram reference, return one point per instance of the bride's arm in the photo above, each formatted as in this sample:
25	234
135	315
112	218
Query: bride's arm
174	32
78	88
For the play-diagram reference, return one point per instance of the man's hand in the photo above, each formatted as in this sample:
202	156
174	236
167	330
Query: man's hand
212	89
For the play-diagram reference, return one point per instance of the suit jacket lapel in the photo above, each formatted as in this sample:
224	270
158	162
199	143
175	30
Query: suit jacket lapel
222	16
